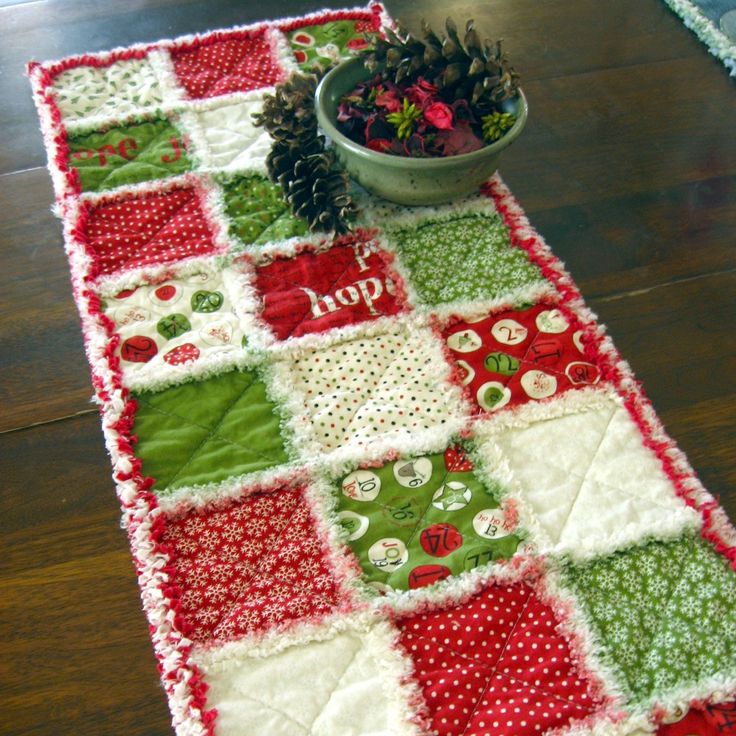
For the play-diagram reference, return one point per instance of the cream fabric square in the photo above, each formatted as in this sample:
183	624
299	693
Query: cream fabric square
114	90
592	484
381	388
229	137
324	688
182	326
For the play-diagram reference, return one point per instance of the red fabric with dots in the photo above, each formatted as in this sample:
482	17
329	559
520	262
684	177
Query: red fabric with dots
316	292
227	65
249	567
157	228
495	664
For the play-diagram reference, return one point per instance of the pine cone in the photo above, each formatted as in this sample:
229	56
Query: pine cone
470	69
298	160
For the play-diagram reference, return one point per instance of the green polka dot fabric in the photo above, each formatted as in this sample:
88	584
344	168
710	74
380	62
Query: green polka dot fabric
258	212
394	481
422	519
463	258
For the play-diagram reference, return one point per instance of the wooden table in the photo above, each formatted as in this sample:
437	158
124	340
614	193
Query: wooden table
627	167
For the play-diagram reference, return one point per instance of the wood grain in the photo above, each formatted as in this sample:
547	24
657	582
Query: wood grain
627	167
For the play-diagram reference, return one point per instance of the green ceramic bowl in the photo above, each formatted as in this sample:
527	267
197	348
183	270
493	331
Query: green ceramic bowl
411	181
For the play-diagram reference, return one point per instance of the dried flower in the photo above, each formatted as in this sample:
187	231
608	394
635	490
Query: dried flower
404	119
496	124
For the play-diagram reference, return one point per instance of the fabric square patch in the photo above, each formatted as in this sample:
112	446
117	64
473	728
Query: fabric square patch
496	664
206	431
329	42
384	387
128	154
663	613
257	211
227	64
520	355
464	257
321	688
179	322
142	231
575	471
318	291
249	567
228	138
115	90
416	521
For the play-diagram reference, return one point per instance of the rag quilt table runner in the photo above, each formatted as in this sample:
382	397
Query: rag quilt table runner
393	482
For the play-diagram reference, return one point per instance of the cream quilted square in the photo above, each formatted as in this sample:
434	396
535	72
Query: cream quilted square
225	138
590	482
344	685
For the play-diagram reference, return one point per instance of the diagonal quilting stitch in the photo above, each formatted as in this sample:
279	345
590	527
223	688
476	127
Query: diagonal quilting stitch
138	153
368	389
266	554
211	430
333	690
304	729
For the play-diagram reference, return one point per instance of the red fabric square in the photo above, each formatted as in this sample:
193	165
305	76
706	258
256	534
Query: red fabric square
155	228
249	567
518	356
318	291
495	664
235	64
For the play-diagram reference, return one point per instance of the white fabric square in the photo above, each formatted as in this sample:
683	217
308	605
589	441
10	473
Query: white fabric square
229	137
181	326
115	90
591	482
386	387
336	687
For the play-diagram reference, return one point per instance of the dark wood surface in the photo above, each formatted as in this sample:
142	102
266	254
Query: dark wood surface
627	167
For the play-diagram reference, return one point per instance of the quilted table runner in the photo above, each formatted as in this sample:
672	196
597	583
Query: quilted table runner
394	482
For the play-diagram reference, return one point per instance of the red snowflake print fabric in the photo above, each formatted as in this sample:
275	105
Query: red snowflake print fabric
235	64
141	231
712	720
316	292
249	567
495	664
518	356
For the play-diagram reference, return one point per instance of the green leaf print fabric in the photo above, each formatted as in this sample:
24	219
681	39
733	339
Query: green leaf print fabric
419	520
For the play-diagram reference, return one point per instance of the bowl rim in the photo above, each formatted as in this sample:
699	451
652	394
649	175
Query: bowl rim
408	161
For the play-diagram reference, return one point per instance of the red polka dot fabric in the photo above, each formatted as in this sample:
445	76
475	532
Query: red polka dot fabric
496	664
235	64
316	292
249	567
156	228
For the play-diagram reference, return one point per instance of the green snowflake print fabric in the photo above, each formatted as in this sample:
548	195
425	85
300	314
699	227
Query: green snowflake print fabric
128	155
257	211
328	42
463	258
664	614
419	520
207	431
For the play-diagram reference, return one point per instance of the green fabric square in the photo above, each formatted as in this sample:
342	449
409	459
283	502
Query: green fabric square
127	155
663	614
465	257
205	432
328	42
419	520
258	212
